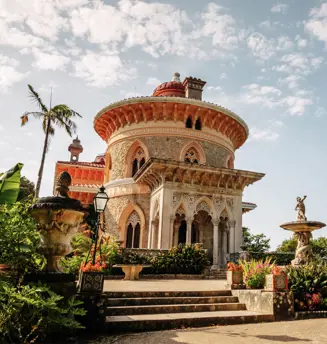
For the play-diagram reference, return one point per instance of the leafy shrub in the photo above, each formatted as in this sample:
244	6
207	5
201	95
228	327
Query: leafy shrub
19	238
107	249
189	259
279	258
30	313
255	271
135	258
309	284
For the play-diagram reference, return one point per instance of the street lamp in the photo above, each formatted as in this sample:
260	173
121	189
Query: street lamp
100	202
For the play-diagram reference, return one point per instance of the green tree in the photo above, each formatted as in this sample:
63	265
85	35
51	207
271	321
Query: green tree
288	245
27	188
257	243
319	247
60	115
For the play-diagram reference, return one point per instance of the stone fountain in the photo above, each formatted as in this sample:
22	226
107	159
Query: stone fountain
58	218
302	229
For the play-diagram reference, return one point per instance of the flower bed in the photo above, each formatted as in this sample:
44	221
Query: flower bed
309	285
255	272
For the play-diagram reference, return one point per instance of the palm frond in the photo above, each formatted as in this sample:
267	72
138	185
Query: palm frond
36	98
65	111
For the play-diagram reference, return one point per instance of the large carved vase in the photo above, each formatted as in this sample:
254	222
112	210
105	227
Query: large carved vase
58	221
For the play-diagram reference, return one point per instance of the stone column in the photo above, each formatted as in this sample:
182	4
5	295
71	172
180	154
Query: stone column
176	226
171	231
189	231
232	236
154	236
215	248
224	247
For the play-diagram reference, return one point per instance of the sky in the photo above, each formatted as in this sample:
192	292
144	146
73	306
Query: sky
264	60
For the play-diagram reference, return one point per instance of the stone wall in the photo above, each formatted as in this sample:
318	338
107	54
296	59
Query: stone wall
165	148
115	208
280	304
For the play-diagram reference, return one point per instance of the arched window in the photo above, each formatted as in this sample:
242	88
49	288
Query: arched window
133	231
182	233
138	160
192	156
198	125
188	123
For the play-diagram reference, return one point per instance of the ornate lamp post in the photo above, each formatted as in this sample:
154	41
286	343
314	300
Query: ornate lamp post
100	202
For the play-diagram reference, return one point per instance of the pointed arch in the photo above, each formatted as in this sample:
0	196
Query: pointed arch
196	147
132	162
226	210
205	203
132	213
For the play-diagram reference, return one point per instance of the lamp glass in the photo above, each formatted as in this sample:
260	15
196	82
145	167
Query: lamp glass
100	200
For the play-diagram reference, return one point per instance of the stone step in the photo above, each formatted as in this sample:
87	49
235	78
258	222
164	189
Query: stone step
157	322
179	308
139	301
133	294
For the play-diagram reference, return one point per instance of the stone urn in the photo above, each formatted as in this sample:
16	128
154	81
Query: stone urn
58	218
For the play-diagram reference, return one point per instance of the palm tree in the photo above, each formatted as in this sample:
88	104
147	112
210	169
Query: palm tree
59	115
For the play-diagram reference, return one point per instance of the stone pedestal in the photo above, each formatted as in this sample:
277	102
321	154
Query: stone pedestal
131	272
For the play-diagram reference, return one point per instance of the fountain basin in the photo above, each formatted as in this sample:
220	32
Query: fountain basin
58	221
302	226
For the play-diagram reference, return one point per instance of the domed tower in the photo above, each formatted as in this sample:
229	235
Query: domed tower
75	149
171	176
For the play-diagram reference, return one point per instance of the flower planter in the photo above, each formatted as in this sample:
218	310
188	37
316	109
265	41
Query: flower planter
90	282
235	279
132	272
276	282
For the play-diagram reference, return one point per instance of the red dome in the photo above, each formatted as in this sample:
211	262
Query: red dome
172	88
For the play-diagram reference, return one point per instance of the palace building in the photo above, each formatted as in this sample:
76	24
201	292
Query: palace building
168	170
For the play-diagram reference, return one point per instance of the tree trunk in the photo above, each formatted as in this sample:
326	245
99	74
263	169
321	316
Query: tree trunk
45	148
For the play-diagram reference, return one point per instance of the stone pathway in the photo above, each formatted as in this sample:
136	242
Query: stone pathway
164	285
290	332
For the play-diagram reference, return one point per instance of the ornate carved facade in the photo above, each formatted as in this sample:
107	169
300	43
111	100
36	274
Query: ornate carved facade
170	170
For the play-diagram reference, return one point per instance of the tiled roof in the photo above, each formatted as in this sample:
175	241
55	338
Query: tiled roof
82	163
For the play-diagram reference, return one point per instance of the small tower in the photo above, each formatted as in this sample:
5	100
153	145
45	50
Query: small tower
75	149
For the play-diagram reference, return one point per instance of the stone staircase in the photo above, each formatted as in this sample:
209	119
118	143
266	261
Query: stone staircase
153	311
219	274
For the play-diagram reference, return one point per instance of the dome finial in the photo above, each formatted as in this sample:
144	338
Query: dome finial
176	77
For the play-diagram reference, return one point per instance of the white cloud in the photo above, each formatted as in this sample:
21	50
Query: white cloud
223	76
317	25
301	42
221	27
276	123
298	63
297	105
9	75
264	48
49	61
279	8
291	81
321	111
153	81
267	96
214	88
102	70
257	134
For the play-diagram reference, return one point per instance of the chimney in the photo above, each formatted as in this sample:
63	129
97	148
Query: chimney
193	88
